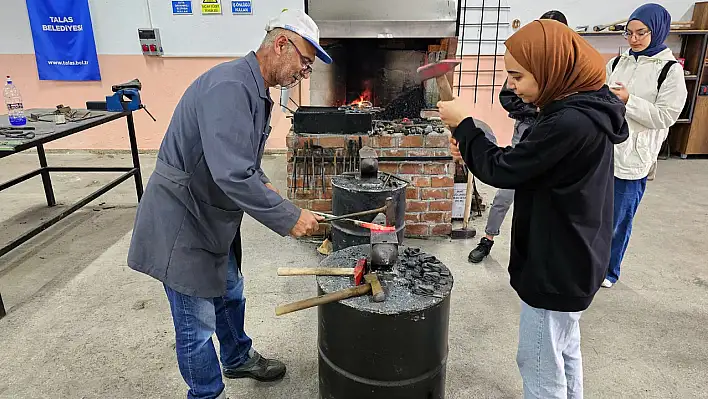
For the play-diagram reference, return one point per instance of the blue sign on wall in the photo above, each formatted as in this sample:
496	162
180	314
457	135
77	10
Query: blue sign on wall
241	7
182	7
64	46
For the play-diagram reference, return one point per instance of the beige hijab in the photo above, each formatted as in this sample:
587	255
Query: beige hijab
562	62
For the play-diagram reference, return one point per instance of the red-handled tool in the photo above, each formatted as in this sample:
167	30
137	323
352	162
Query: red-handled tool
359	271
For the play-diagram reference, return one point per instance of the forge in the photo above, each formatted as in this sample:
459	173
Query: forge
369	96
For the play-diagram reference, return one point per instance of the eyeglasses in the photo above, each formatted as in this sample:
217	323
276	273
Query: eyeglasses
637	35
304	61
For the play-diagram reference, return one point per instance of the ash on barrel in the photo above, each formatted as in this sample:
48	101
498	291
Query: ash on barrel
393	349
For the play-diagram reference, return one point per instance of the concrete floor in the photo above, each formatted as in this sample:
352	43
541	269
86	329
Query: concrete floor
83	325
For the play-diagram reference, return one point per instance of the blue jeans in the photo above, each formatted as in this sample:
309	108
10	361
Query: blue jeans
628	194
548	357
197	319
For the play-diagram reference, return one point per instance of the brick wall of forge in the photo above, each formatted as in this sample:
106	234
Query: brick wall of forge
428	198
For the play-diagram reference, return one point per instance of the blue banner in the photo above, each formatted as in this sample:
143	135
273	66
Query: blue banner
63	40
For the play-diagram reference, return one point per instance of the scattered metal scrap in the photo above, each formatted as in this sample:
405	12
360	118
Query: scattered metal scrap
62	115
17	132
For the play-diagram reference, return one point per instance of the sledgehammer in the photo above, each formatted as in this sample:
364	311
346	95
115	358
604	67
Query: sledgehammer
438	70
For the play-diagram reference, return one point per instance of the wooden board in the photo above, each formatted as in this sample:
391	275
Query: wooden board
697	142
700	15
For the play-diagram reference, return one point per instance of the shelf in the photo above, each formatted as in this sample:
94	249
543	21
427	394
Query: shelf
691	77
619	33
684	120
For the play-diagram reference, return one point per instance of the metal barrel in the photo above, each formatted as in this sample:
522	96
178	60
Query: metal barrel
396	349
351	194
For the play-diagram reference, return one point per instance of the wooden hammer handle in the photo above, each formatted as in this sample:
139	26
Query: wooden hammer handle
323	299
444	88
315	271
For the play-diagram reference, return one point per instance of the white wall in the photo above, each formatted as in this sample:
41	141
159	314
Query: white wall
578	12
115	26
116	22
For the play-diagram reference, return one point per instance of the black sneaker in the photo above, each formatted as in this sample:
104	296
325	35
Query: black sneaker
483	249
258	368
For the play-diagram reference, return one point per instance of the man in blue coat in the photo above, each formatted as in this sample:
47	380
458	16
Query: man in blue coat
208	174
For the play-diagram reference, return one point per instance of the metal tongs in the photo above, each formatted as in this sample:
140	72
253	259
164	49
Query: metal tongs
366	225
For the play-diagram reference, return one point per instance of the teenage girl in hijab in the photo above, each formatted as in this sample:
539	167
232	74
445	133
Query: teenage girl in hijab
650	113
562	173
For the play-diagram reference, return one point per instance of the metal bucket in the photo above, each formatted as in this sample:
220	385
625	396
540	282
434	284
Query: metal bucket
350	194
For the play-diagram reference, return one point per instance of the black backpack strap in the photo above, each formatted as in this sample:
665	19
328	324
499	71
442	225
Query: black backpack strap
615	62
664	73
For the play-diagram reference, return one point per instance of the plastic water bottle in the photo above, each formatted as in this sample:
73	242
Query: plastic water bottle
13	100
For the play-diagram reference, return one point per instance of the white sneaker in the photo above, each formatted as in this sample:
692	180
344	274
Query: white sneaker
607	283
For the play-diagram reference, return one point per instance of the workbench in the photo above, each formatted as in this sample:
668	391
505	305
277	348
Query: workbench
46	132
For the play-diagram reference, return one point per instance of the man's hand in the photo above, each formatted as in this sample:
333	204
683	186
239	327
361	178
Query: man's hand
453	112
622	93
455	149
307	224
272	188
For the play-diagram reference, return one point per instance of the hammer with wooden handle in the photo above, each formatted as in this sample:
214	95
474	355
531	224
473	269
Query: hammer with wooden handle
315	271
372	285
439	70
358	271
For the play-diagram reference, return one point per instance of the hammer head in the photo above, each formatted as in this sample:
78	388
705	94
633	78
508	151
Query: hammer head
436	69
359	271
391	208
377	291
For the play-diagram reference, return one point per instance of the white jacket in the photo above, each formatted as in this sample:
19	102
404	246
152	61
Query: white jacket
649	114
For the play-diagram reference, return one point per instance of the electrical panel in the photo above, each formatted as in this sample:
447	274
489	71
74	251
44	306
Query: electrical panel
150	42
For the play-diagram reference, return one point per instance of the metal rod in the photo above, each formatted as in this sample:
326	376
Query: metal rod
304	165
479	50
313	182
89	169
293	189
2	308
46	179
480	41
330	218
486	24
20	179
25	237
507	8
482	70
496	44
457	25
136	158
295	159
481	85
462	48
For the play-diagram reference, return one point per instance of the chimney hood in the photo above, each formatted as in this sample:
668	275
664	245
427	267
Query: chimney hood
384	19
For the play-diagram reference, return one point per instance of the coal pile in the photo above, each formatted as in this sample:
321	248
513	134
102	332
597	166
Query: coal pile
407	105
408	126
424	274
416	282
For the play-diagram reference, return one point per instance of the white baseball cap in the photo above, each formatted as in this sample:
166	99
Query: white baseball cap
299	22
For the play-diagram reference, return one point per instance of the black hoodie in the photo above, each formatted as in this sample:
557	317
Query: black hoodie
563	174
